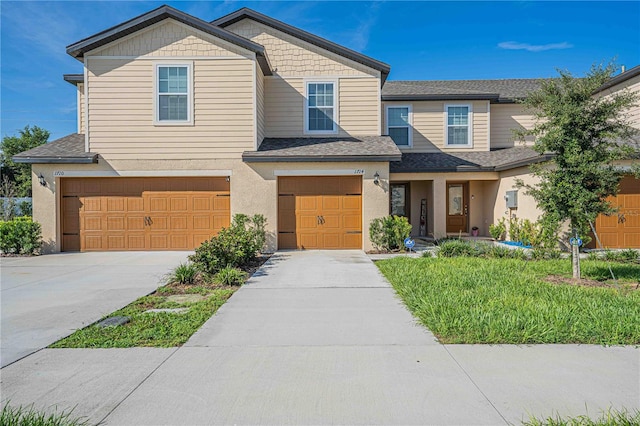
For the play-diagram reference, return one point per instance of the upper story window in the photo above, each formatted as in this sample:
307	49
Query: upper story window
320	107
458	126
173	94
399	124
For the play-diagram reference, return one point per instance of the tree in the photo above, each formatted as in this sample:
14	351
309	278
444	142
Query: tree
20	174
587	133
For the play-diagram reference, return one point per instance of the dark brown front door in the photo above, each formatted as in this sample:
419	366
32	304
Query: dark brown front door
457	207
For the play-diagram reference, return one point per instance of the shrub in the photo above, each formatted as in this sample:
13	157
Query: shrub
499	230
388	233
20	236
543	253
456	248
185	273
26	208
231	276
234	246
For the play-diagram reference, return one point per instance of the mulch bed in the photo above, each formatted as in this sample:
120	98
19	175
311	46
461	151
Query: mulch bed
585	282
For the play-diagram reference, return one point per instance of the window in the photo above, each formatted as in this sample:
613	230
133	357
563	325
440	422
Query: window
320	109
399	124
457	127
173	100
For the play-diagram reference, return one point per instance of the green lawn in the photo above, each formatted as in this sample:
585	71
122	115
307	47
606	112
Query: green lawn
152	329
475	300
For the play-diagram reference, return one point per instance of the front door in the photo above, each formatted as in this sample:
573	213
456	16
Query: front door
457	207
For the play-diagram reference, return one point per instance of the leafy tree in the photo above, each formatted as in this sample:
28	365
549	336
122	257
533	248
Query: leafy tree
587	133
20	174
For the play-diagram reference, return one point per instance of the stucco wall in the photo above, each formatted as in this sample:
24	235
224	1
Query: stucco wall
253	187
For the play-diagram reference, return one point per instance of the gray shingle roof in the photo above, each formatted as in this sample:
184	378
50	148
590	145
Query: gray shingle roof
68	149
364	148
502	159
496	90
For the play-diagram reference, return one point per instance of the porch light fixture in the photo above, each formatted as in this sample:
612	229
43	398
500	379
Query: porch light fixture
41	180
376	178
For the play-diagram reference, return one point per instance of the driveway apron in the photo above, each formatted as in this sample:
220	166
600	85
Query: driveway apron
314	337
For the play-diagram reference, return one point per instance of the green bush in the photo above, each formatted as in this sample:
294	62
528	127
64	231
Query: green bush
26	208
543	253
456	248
499	230
234	246
623	256
388	233
231	276
185	273
20	236
29	416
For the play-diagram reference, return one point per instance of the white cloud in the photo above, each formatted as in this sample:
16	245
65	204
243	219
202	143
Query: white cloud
514	45
358	39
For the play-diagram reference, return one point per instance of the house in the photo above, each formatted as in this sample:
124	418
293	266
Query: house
183	123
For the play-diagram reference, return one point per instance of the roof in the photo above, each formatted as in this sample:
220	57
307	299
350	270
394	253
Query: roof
68	149
78	49
245	12
620	78
503	159
507	90
74	79
364	148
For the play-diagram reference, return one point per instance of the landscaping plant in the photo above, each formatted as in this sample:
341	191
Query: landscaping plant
235	246
610	417
231	276
185	273
498	231
582	130
388	233
20	236
29	416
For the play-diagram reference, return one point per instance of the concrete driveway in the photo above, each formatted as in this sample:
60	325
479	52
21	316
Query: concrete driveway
321	338
45	298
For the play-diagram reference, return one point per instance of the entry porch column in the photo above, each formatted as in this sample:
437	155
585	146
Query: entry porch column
439	207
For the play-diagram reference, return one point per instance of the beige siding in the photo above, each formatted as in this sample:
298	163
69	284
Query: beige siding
169	38
259	104
357	107
82	118
633	85
292	57
504	119
429	125
121	111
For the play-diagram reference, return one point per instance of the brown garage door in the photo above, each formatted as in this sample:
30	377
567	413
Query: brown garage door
622	229
103	214
320	212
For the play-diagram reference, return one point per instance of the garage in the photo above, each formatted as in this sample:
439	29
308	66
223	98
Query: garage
320	212
622	229
137	213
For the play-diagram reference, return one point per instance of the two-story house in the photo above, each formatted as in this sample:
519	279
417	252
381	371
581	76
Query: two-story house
183	123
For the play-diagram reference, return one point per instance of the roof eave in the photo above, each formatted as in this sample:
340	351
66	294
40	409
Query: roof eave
521	163
247	157
78	49
57	160
74	79
620	78
452	97
243	13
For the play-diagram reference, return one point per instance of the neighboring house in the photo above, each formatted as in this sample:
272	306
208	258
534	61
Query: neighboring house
183	123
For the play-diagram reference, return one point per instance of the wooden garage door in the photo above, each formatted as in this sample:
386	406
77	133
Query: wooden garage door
103	214
320	212
622	230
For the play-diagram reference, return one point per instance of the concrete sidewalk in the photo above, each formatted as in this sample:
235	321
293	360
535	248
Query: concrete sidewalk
320	338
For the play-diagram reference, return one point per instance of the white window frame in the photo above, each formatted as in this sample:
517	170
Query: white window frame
410	125
469	125
336	101
156	94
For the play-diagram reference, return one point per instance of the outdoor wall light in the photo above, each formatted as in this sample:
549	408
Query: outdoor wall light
228	178
41	180
376	178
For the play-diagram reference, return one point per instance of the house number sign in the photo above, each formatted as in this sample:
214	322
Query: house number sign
358	172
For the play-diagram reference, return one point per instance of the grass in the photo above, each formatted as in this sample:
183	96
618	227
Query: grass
29	416
475	300
152	329
608	418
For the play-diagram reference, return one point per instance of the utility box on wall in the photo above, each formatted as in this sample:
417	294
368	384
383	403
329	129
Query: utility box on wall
512	199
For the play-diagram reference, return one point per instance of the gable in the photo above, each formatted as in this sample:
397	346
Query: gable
292	57
170	38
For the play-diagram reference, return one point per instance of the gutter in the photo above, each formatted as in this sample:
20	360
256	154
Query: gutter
56	160
248	158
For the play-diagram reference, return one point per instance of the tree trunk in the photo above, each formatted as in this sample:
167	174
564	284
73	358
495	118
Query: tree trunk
575	256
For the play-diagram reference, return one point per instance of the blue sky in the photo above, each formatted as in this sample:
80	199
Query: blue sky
420	40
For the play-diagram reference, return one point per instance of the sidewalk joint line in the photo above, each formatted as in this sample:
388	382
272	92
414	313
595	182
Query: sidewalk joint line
137	386
476	385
